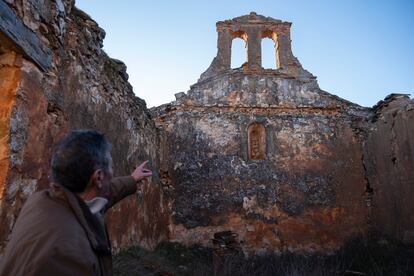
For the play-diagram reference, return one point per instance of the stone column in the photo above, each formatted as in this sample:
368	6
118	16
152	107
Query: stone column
254	48
277	53
284	47
222	61
224	48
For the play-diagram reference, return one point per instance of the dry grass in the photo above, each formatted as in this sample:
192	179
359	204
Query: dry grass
357	257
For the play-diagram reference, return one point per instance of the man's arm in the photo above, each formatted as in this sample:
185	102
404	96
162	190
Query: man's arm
122	187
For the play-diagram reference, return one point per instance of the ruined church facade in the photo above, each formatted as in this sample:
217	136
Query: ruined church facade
263	154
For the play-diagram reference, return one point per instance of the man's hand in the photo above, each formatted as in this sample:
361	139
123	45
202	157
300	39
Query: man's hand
140	172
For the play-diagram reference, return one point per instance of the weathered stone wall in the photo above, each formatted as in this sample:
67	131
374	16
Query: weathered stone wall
390	167
284	165
265	154
82	88
305	193
269	157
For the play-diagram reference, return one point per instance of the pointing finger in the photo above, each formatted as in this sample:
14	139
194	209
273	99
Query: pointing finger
143	164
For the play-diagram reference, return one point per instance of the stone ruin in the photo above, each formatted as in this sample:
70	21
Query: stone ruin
264	156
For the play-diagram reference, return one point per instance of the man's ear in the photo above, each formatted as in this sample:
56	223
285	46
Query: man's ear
97	177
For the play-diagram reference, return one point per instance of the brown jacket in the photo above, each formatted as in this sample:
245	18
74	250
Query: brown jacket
56	234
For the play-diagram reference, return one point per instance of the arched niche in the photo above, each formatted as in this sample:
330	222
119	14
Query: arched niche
256	141
239	49
270	50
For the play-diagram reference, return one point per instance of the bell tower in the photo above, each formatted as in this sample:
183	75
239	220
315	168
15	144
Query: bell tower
252	28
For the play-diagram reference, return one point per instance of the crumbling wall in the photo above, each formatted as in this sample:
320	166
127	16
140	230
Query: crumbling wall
81	88
264	154
9	78
306	192
390	167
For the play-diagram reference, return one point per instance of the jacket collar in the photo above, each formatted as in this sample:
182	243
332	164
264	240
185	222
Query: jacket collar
94	229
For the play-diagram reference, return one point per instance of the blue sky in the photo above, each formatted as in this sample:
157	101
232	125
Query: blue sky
359	50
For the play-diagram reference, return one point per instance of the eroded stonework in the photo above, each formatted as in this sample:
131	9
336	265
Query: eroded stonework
80	87
264	156
390	166
264	153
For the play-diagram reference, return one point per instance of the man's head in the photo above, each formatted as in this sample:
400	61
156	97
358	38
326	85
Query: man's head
82	159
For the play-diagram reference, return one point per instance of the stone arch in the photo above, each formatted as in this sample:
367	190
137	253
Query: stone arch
256	141
235	62
269	34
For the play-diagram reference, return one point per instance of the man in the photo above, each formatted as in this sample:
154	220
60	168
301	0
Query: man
60	231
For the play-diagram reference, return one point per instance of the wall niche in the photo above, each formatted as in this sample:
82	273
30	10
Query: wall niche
256	141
